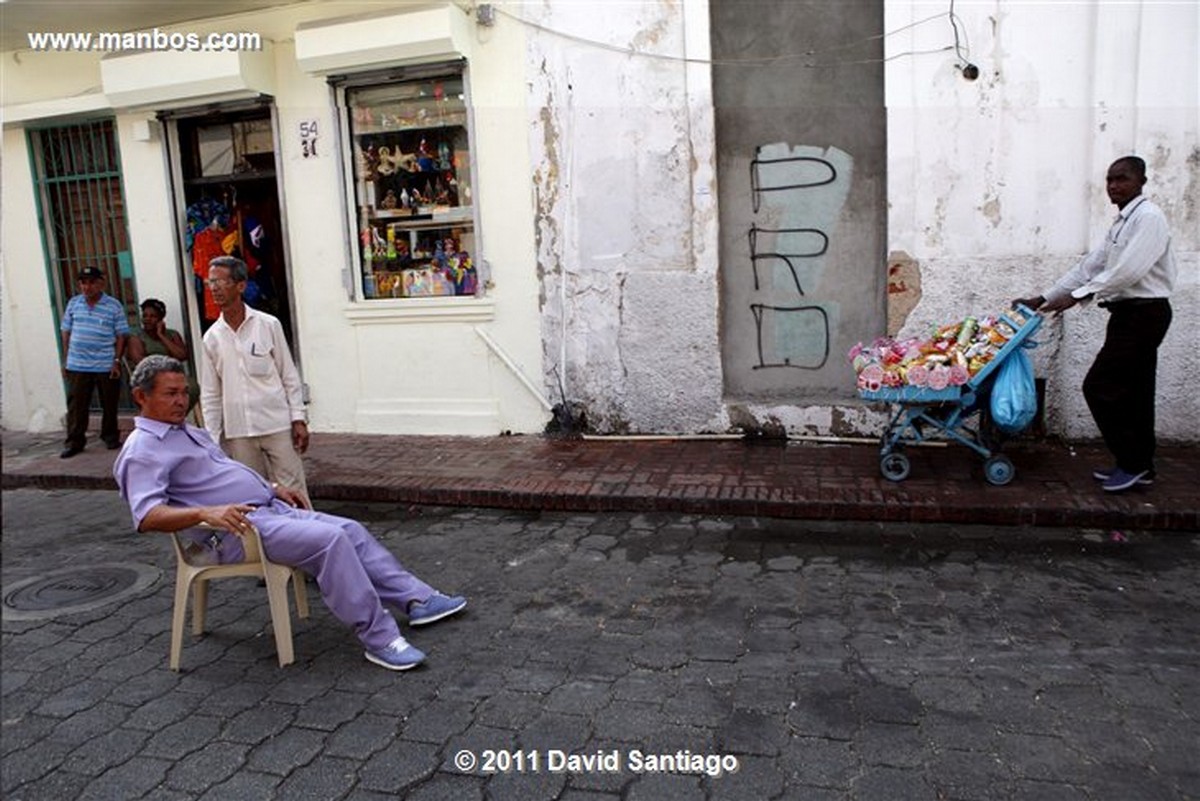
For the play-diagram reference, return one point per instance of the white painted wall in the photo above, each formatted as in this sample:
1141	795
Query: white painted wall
996	186
425	366
605	262
150	213
625	190
33	387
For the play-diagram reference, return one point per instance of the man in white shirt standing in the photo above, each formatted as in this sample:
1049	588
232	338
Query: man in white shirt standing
250	391
1131	275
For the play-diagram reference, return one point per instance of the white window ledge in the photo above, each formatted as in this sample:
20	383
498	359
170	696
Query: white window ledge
421	310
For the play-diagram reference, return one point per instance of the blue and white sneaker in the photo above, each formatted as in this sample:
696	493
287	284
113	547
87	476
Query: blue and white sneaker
1105	473
435	607
398	655
1120	481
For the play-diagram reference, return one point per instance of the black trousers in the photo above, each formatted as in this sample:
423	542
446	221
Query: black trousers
79	398
1120	385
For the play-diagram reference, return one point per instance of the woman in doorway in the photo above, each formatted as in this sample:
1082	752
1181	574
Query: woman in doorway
154	338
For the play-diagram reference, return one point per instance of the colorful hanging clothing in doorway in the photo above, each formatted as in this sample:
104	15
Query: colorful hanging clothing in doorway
207	221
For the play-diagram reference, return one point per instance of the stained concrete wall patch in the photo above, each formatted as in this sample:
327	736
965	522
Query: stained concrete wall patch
903	289
76	589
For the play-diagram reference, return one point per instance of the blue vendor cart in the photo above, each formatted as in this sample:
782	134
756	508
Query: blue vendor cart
957	413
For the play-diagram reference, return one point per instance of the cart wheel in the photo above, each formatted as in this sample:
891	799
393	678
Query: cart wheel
895	466
999	470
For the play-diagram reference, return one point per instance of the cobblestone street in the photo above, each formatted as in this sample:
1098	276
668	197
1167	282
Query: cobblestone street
824	661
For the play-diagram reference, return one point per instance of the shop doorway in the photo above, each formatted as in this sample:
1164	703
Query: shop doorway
227	203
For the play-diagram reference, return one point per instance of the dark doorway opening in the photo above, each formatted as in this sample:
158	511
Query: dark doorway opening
231	196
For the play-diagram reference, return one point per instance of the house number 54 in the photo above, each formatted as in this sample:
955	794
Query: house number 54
308	138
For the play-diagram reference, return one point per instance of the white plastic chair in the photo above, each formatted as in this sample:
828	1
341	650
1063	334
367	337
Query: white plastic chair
191	574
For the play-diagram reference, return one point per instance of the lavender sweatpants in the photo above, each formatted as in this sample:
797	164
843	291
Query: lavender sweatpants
355	573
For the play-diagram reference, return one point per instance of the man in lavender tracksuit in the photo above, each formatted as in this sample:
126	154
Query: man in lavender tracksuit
175	477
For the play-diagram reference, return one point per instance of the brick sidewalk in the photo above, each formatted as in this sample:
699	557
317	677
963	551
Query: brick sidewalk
1053	484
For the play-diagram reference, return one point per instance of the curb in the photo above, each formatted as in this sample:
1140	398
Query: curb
900	509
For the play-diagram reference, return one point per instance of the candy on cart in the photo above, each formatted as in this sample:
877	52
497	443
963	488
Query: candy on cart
950	356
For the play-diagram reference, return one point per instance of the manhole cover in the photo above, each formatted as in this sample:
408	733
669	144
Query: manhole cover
76	589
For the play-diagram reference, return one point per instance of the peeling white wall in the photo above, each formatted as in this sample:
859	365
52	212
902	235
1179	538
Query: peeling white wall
994	189
626	218
996	186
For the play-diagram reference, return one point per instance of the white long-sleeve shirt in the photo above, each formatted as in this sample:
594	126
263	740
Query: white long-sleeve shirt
1135	260
249	385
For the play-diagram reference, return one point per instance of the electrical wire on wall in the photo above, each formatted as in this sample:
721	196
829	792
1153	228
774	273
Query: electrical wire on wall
490	11
486	14
964	65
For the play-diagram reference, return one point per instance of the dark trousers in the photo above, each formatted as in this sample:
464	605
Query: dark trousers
79	398
1119	387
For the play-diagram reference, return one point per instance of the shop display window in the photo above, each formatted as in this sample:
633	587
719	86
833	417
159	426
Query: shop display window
411	167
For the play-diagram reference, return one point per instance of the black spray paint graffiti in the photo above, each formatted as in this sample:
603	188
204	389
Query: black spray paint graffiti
756	256
816	316
807	318
756	187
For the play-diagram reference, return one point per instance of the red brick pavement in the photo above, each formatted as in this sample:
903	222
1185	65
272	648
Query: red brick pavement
1053	484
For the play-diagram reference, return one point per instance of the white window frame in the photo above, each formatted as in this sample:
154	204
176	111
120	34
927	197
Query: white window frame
473	308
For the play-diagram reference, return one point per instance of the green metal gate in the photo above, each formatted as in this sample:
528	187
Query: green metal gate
81	211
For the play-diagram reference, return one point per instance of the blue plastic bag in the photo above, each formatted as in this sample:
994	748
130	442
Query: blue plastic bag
1014	396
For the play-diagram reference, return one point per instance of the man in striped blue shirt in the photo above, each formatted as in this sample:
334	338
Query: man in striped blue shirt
94	332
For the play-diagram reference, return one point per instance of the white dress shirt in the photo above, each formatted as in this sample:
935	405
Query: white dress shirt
1135	260
249	385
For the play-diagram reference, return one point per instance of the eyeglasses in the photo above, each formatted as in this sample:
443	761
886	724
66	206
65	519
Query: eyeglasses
219	281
